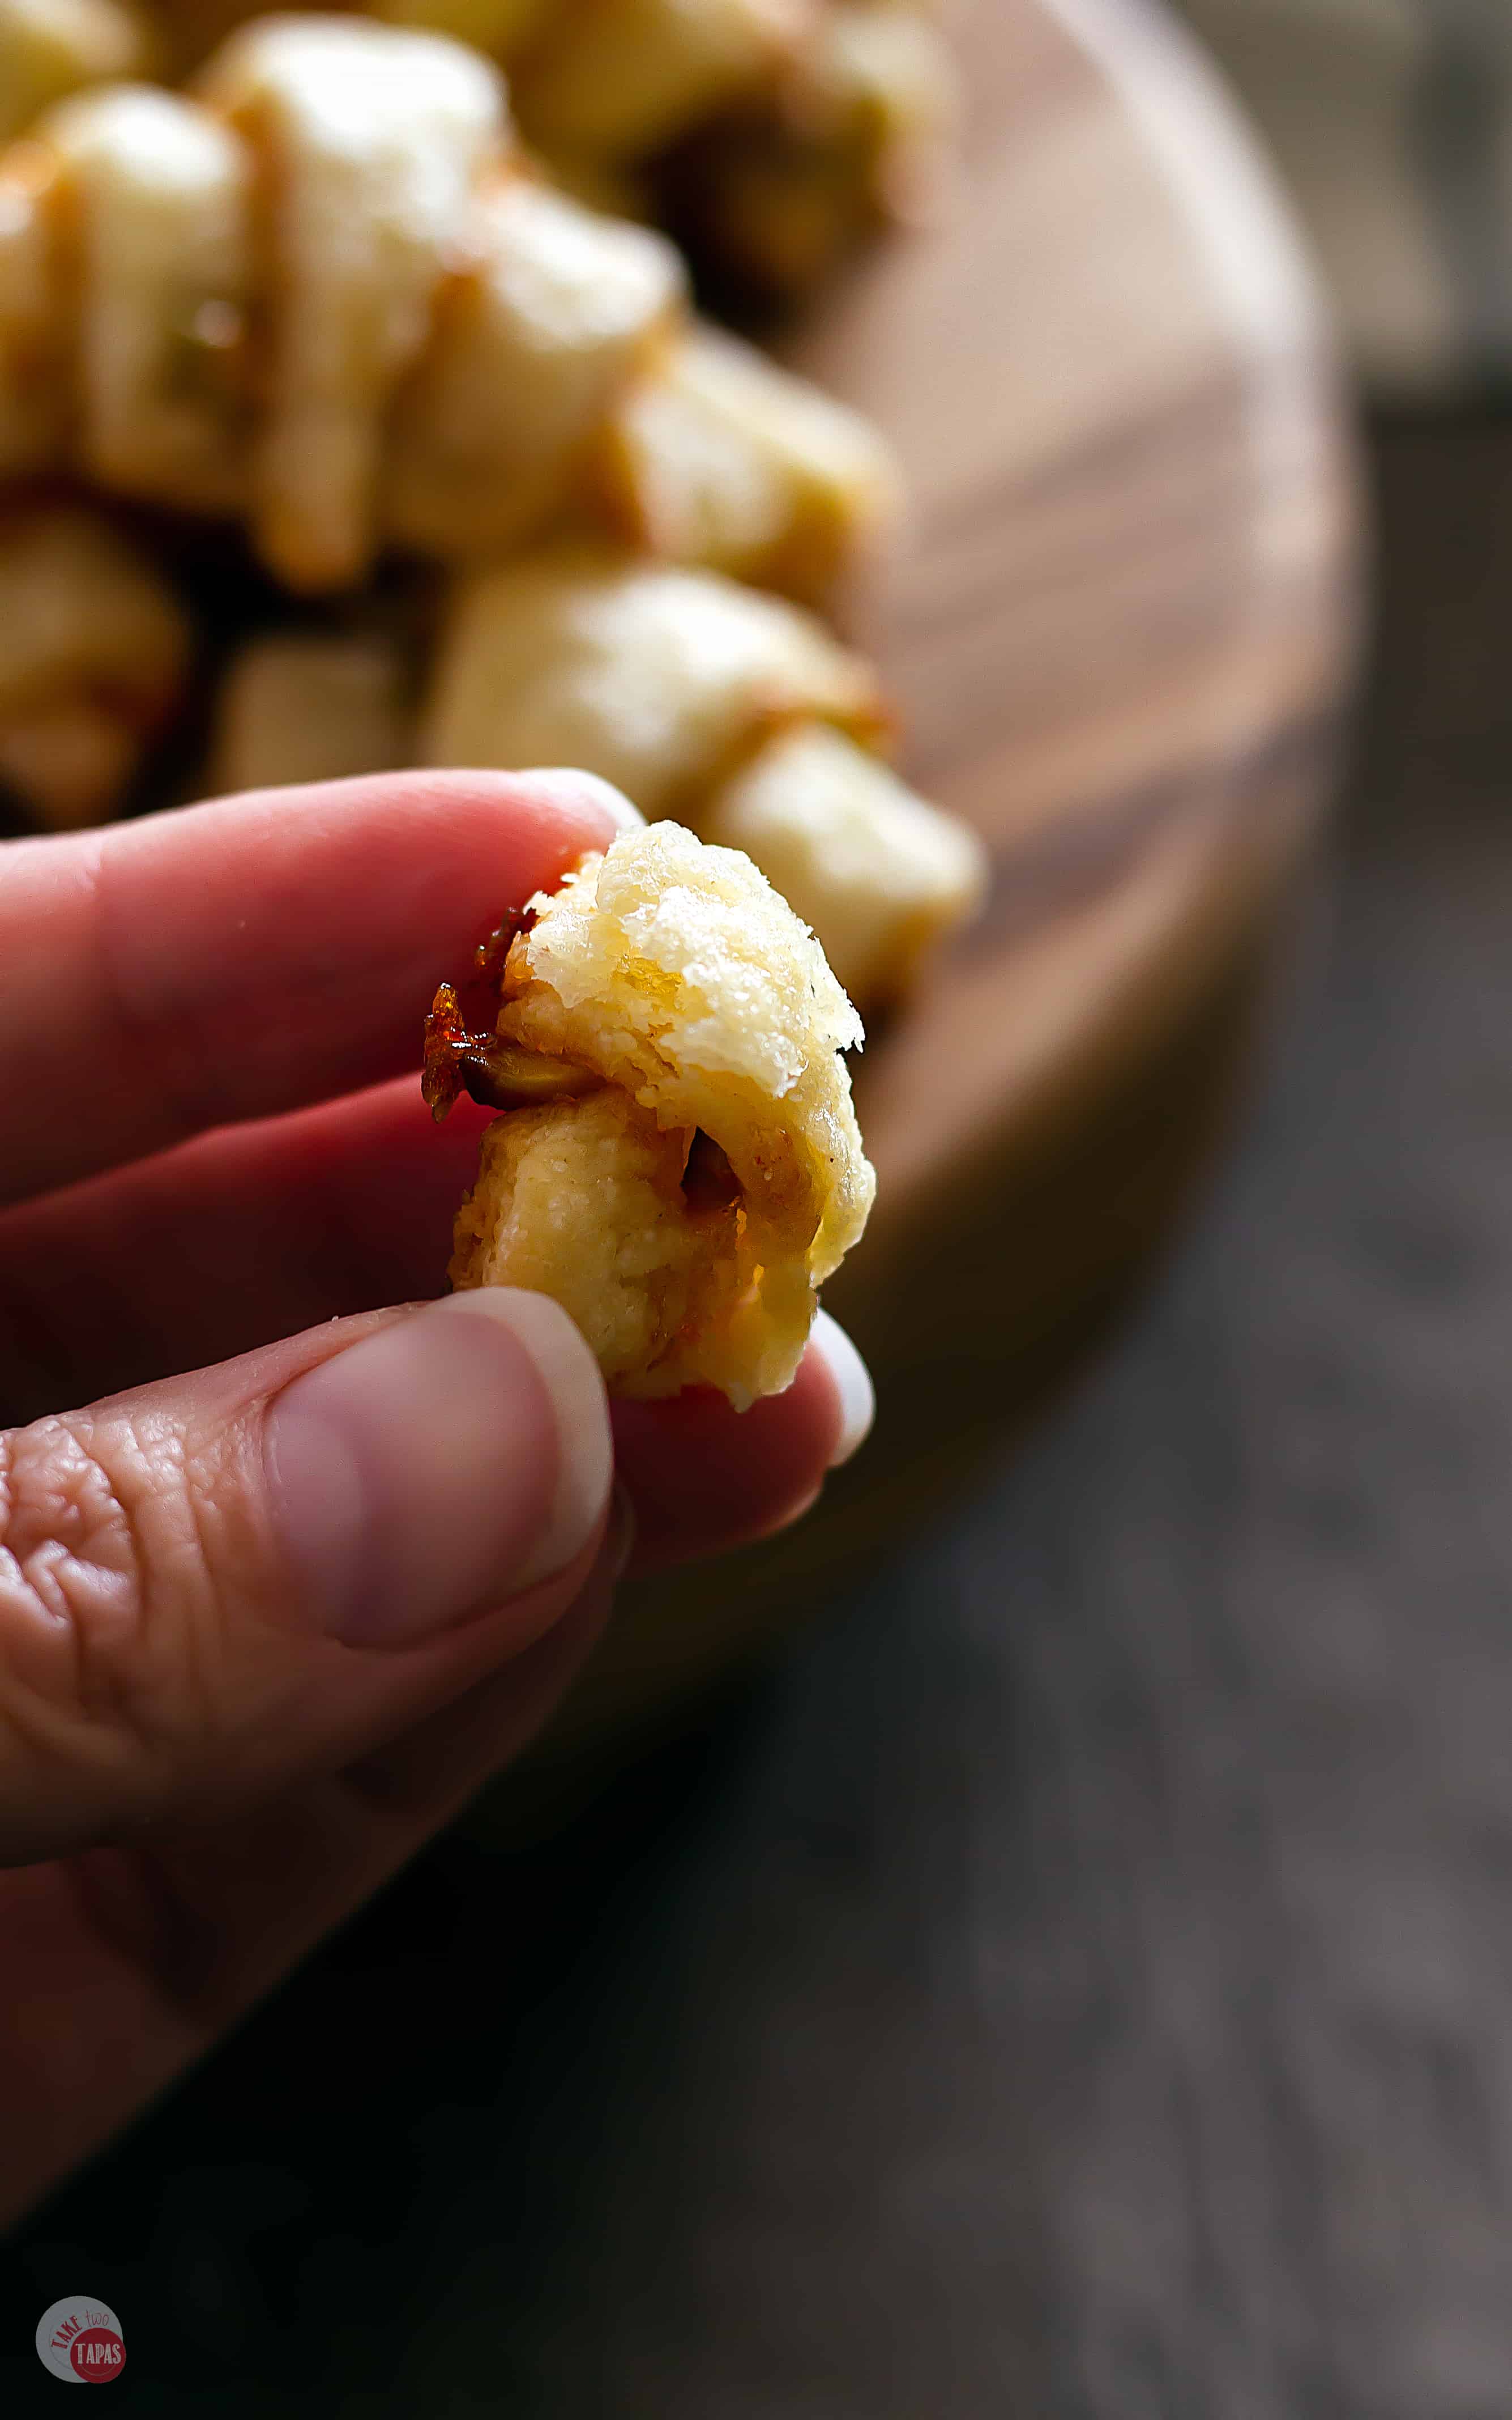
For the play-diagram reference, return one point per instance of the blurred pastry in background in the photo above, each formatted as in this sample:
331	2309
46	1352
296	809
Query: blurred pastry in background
94	660
311	705
738	714
722	459
50	47
622	78
365	145
137	227
882	875
532	349
858	132
661	680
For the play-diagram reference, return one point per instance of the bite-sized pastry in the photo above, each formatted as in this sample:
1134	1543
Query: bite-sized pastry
626	77
662	680
719	458
94	653
737	714
367	143
880	874
531	351
49	48
155	197
677	1162
310	706
33	329
858	132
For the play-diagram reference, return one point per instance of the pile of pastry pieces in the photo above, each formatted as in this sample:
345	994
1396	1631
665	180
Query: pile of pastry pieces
319	297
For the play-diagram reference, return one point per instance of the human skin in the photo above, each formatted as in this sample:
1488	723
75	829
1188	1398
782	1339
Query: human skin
292	1557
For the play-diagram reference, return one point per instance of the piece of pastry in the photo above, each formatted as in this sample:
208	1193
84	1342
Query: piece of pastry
530	355
310	706
367	144
624	77
738	714
49	48
880	874
94	653
677	1162
150	204
722	459
858	132
663	681
34	326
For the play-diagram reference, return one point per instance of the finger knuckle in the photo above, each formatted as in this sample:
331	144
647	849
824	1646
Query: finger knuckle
66	1542
74	1599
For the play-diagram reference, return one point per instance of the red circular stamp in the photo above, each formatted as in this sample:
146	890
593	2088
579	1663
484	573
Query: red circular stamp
79	2341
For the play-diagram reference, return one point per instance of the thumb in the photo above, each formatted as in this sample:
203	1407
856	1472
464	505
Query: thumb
213	1586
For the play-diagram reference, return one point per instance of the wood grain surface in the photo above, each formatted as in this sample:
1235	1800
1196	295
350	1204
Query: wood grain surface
1120	636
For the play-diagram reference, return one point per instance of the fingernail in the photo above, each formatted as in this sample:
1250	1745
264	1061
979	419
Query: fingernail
853	1384
575	789
440	1467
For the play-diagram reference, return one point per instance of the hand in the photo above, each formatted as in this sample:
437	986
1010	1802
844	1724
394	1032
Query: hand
315	1566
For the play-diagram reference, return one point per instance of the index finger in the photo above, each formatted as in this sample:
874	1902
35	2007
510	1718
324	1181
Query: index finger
232	960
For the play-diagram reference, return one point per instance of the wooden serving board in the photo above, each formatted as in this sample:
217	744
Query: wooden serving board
1120	634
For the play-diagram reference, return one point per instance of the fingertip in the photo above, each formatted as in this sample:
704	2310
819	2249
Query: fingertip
704	1478
562	786
852	1382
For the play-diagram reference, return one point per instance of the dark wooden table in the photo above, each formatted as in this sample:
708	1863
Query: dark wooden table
1078	1985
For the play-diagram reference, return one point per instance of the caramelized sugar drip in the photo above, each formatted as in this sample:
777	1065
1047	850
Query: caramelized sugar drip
469	1056
490	956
